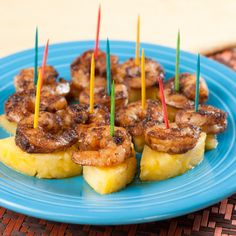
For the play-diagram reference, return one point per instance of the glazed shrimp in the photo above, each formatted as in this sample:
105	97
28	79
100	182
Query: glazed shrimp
175	140
186	96
21	104
210	119
129	73
51	135
98	148
101	96
25	81
80	71
135	119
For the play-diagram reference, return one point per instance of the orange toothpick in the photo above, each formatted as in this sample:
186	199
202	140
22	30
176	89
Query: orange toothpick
97	33
143	79
39	86
137	43
92	74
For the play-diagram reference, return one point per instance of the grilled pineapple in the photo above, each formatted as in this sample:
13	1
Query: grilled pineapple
53	165
171	113
10	127
138	143
106	180
211	142
158	165
135	94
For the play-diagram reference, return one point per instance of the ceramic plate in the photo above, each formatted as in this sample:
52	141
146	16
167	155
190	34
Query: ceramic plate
72	200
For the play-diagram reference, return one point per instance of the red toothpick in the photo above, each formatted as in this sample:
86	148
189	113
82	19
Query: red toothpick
97	34
45	55
163	104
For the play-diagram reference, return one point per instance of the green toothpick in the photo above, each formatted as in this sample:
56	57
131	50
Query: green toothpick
108	66
197	83
177	64
112	116
36	58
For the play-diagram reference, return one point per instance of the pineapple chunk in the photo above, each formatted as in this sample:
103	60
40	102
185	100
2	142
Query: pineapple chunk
48	165
171	113
135	94
105	180
10	127
158	165
139	143
211	142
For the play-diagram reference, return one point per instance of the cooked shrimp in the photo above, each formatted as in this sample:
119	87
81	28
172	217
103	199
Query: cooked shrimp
129	73
80	71
62	88
25	81
175	140
51	135
210	119
98	148
135	119
186	96
101	96
21	104
76	113
99	117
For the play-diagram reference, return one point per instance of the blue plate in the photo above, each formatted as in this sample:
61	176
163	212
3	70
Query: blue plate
72	200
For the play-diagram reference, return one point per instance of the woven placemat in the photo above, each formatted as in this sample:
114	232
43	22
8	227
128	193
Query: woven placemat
216	220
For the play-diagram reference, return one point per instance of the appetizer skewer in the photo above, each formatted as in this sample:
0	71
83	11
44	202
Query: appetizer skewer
107	155
109	163
210	119
44	152
171	152
170	149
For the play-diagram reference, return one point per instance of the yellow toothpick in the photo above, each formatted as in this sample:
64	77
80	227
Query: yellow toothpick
37	101
143	79
137	43
92	73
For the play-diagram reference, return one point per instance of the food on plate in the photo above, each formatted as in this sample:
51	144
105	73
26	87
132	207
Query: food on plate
109	162
211	120
129	74
80	71
83	118
186	95
22	104
46	151
135	119
24	81
48	165
101	96
171	151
